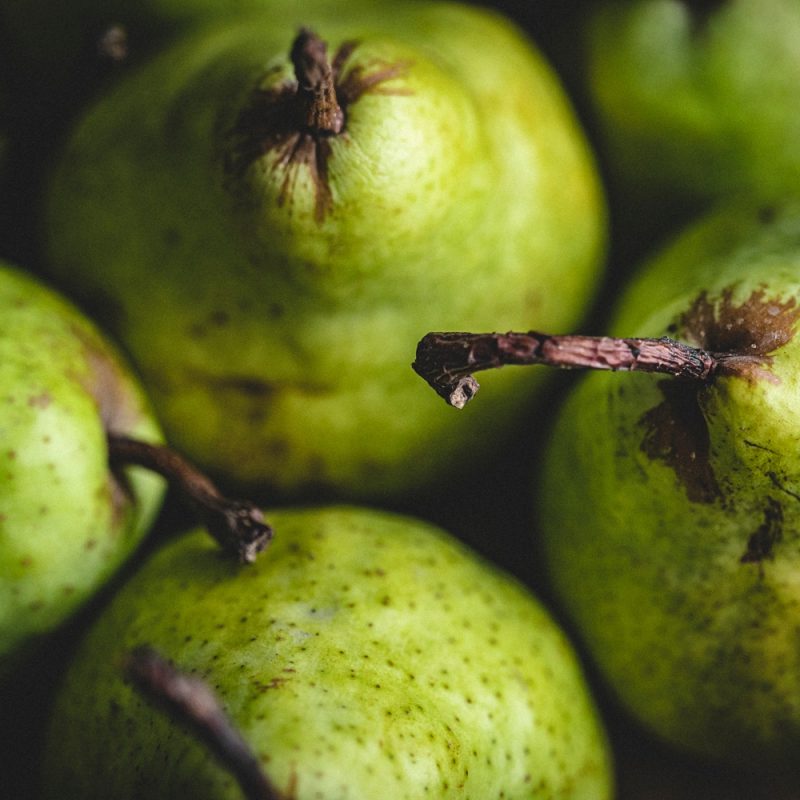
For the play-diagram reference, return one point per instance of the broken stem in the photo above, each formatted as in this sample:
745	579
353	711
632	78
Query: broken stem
191	703
238	525
322	115
447	360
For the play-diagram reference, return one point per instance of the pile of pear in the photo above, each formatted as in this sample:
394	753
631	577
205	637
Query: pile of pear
364	652
258	269
251	292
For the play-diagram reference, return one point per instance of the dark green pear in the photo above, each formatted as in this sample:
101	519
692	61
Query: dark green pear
67	520
268	219
670	507
698	100
369	655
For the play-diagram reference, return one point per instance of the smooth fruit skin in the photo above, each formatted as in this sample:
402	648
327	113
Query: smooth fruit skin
698	100
367	655
670	513
66	524
277	346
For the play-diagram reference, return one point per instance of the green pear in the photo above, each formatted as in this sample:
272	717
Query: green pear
698	101
269	247
670	508
67	521
370	655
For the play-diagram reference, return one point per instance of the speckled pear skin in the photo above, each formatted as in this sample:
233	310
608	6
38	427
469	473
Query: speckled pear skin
65	523
277	345
698	99
670	514
367	655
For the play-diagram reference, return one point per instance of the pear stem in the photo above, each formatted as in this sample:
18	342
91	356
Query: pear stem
316	85
447	360
238	525
191	703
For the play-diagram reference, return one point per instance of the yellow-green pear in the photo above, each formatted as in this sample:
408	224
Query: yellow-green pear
670	507
67	519
271	213
369	655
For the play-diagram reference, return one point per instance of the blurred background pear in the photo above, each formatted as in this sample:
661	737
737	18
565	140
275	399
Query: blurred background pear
693	102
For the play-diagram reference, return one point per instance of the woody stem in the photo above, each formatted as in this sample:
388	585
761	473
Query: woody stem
238	525
321	113
191	703
447	360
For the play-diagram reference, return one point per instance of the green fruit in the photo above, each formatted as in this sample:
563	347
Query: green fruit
700	103
368	656
273	313
670	509
66	522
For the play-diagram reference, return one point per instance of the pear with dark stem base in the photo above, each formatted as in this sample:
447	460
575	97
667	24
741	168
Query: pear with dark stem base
319	189
80	447
669	507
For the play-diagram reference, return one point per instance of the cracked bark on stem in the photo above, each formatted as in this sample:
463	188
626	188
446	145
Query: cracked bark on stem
237	525
447	360
192	704
321	113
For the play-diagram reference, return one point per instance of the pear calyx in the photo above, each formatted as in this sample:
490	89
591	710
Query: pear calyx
191	703
237	525
297	119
